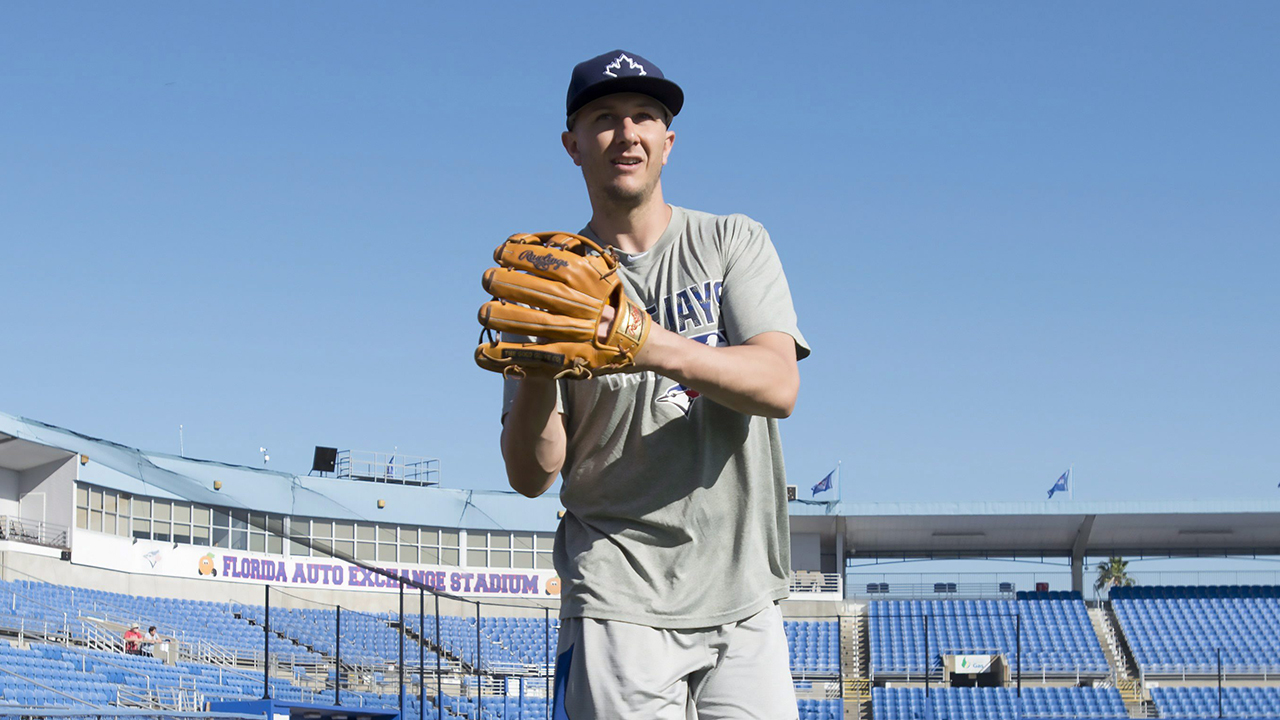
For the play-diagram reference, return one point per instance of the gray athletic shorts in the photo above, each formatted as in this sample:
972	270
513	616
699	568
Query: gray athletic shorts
609	670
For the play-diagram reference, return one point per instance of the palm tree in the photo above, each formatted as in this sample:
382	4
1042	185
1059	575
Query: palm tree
1111	573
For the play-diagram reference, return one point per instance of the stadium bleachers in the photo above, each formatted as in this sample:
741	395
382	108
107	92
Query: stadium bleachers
1237	702
981	703
1181	629
1165	627
1057	636
60	676
814	647
190	621
821	709
507	644
73	674
69	676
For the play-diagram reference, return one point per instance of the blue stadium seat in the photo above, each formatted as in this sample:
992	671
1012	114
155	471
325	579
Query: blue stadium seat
1174	630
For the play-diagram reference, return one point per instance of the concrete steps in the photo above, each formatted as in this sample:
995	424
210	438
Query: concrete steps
1124	671
855	658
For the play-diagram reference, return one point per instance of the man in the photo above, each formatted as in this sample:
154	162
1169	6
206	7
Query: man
674	548
133	640
151	640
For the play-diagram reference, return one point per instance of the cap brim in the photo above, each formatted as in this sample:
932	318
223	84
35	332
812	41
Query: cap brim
660	89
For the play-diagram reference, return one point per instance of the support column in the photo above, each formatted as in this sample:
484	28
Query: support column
840	564
1078	549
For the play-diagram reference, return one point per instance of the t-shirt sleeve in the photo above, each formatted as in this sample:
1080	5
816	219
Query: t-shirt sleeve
755	297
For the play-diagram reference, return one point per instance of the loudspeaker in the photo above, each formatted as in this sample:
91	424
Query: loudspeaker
326	459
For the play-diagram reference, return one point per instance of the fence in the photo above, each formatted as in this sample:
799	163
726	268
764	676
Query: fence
33	532
434	655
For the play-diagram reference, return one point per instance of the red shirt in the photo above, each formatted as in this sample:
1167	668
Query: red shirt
131	639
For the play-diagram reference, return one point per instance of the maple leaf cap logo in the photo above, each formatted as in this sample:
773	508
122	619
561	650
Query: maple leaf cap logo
617	65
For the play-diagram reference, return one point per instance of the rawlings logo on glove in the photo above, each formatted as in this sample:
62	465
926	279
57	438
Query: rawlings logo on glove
542	262
554	287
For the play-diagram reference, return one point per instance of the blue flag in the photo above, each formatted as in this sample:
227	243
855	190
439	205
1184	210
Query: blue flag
824	484
391	468
1061	485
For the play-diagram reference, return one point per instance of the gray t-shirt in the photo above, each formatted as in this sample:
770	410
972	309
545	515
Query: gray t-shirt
676	507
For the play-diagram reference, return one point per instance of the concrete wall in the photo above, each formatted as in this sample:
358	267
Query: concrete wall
827	559
9	483
806	551
47	492
16	565
815	609
23	566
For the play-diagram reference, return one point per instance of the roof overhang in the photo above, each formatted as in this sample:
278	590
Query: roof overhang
1051	529
19	455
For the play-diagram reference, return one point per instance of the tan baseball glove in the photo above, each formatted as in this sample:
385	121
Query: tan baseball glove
554	287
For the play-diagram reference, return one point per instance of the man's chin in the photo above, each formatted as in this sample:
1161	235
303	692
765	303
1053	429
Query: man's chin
627	195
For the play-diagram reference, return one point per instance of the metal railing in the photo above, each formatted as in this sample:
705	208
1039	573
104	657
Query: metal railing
47	688
393	468
44	628
808	581
97	637
1185	671
34	532
87	660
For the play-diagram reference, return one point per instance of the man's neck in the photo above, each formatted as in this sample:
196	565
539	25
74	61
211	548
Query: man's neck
632	230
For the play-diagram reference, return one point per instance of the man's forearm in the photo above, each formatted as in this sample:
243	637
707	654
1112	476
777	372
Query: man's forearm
756	378
533	438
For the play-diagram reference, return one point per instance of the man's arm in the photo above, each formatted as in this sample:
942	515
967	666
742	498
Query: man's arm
758	377
533	438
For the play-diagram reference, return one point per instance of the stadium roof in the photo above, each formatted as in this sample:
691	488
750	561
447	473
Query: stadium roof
26	443
1059	528
1054	528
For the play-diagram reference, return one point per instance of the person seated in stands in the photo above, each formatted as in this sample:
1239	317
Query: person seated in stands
133	640
151	640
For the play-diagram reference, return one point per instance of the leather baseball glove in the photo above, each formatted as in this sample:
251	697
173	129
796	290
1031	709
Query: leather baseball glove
554	287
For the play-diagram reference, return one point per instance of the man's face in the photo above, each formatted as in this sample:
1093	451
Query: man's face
621	142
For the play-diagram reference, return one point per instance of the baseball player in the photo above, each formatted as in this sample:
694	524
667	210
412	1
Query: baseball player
674	550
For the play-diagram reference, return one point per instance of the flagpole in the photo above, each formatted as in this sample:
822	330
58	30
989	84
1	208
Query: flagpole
1071	482
839	483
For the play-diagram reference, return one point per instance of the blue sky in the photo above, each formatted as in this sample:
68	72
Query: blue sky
1020	236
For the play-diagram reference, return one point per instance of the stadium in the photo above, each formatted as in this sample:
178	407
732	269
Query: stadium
368	590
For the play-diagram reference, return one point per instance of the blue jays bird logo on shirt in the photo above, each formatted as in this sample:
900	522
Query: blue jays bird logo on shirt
694	309
680	396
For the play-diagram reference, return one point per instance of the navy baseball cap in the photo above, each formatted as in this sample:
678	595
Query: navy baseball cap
619	72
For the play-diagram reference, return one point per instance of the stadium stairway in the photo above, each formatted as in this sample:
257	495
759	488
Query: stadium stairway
450	659
359	671
855	657
1124	670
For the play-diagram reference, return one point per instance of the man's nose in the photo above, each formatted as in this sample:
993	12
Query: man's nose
628	131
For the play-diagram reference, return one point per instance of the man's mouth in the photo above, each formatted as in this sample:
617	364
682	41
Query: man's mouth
627	161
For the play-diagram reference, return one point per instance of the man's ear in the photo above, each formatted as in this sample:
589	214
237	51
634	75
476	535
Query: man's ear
571	146
666	146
